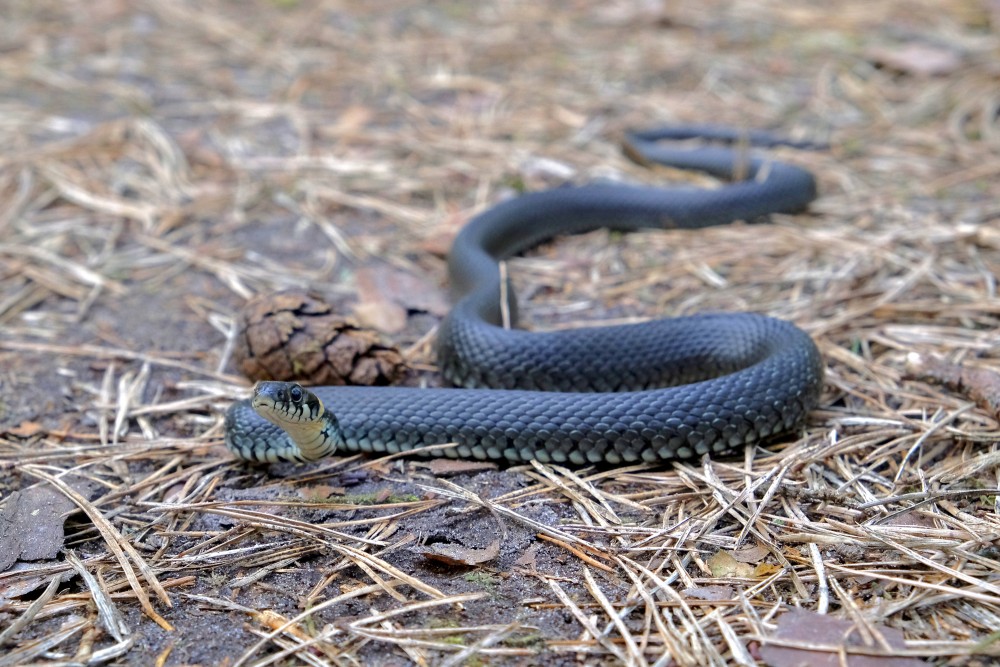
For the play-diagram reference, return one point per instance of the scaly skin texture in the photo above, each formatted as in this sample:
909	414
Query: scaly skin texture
655	391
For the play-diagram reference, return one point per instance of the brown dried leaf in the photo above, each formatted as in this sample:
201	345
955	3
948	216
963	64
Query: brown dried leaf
26	429
456	554
386	293
979	384
825	640
350	122
762	570
723	564
321	491
751	554
382	315
528	559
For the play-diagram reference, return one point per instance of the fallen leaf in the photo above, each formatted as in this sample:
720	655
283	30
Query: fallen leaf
528	559
917	59
320	492
31	525
439	242
827	642
911	518
979	384
26	429
351	122
751	554
456	554
714	593
546	170
386	294
722	564
447	467
623	14
24	578
762	570
385	316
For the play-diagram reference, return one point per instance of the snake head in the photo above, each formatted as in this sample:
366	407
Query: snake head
284	403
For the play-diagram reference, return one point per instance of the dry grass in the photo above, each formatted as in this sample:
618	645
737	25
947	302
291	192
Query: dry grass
162	162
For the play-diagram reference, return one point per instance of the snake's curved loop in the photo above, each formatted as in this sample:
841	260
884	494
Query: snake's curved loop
655	391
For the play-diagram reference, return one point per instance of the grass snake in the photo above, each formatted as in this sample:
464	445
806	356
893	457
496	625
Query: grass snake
654	391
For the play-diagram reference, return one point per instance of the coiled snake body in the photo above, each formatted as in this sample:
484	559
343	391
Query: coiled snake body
654	391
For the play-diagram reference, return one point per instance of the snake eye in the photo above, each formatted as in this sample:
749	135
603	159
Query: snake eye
295	393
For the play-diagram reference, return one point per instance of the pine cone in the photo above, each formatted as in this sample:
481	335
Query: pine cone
294	336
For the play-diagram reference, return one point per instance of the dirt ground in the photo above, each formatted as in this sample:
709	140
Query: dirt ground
163	162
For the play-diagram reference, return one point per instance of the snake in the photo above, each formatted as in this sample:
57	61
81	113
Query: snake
652	391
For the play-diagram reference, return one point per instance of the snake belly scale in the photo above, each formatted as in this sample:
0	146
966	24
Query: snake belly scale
655	391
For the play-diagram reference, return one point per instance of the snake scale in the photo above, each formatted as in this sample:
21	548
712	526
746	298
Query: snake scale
653	391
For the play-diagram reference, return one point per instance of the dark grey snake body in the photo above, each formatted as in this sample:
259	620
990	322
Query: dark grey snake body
654	391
